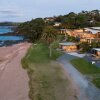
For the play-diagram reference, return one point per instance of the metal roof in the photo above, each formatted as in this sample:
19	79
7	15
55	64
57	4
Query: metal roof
97	49
97	28
92	30
67	43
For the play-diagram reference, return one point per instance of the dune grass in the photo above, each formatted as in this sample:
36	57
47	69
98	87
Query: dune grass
85	67
47	80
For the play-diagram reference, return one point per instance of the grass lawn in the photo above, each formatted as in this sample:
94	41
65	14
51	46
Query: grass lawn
97	82
47	80
85	67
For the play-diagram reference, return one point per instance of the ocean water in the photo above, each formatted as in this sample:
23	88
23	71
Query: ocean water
6	29
7	38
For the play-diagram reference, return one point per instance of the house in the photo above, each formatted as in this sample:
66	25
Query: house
49	19
93	34
77	33
65	32
94	30
78	30
68	46
90	40
89	35
57	24
96	52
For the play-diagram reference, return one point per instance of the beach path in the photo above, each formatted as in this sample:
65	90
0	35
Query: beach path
13	78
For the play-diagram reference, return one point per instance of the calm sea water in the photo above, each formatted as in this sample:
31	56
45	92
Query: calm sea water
5	38
6	29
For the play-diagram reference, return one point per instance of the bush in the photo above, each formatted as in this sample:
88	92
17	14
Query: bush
55	44
97	82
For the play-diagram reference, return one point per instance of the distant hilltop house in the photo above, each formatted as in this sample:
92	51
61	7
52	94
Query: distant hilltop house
85	34
57	24
68	46
49	19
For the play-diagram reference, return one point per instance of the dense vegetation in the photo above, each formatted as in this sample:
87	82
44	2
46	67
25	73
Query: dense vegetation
86	47
47	80
80	20
96	81
32	30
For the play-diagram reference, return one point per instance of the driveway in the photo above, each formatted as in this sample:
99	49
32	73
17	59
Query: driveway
90	59
77	54
87	90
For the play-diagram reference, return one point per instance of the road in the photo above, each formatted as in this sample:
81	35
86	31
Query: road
87	91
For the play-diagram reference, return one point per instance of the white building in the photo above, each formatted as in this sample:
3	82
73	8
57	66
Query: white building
57	24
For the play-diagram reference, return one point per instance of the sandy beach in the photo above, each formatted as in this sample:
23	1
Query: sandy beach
13	78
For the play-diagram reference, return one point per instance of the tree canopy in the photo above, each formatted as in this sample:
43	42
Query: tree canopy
49	34
79	20
32	30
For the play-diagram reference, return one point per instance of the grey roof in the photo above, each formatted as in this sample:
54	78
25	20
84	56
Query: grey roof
94	30
97	28
67	43
97	49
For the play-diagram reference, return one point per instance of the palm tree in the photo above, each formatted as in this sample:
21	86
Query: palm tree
49	35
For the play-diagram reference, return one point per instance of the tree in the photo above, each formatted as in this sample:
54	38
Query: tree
85	47
32	30
49	35
69	20
71	38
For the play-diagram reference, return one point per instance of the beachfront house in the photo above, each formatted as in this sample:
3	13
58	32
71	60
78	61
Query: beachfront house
95	34
89	35
96	52
68	46
49	19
